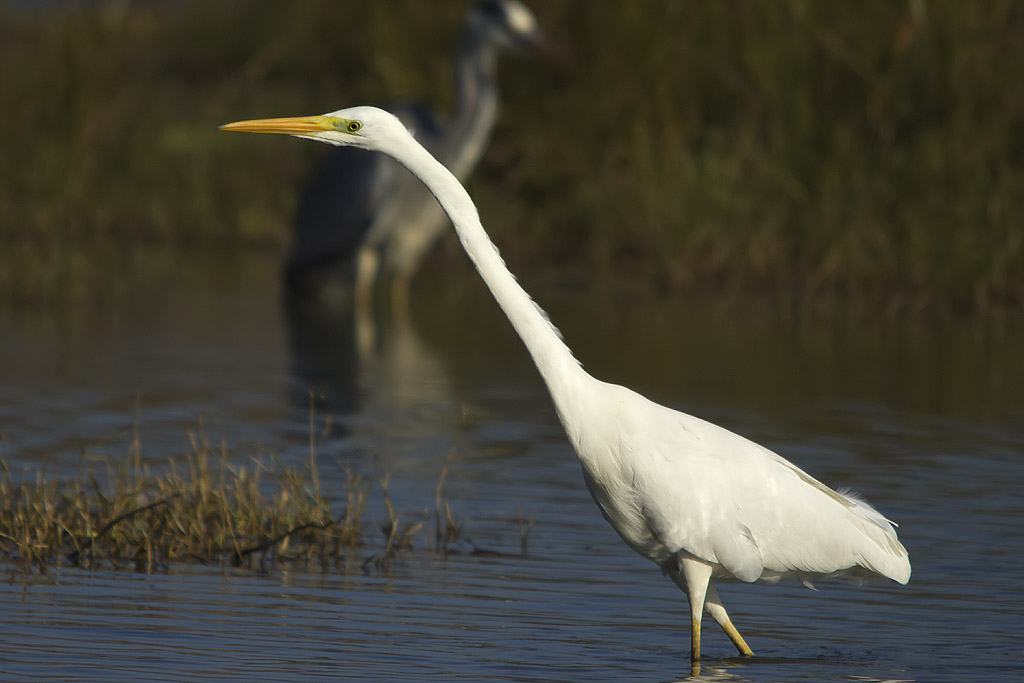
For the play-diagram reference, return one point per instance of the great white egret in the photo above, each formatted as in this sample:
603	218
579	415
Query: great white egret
698	500
364	209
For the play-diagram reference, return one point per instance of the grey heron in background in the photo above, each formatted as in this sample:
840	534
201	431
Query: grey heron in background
364	212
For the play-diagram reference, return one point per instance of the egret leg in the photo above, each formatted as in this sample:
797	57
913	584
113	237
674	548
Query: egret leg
693	577
717	611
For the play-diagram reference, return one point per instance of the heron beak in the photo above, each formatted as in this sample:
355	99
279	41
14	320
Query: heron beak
296	125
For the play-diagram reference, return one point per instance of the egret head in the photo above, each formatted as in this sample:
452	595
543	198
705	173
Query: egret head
363	127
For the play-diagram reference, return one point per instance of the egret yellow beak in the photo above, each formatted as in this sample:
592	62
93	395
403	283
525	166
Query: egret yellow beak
296	125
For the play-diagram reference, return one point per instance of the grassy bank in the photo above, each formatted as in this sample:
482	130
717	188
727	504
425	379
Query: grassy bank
203	510
872	150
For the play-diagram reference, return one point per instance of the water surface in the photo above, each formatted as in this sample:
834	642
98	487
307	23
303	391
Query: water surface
924	420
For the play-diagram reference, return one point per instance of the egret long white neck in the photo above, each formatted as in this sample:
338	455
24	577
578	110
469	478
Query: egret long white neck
560	370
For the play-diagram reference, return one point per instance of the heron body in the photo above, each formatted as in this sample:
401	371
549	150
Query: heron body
367	209
701	502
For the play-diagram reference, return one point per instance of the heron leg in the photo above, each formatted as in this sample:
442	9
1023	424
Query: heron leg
693	577
367	263
367	267
400	297
717	611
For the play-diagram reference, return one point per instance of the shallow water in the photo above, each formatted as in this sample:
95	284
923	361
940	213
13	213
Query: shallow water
926	421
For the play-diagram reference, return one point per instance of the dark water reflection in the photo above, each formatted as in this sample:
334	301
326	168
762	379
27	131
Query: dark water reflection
925	420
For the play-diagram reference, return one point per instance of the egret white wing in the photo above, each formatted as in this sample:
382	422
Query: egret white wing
722	498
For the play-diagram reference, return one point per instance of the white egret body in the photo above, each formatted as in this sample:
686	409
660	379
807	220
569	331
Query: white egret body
699	501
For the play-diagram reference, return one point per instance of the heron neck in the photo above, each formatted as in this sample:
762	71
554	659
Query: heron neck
476	103
561	372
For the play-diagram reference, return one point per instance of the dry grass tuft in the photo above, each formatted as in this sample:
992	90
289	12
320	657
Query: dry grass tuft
194	511
203	510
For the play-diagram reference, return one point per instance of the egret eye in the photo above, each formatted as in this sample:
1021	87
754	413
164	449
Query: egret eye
353	126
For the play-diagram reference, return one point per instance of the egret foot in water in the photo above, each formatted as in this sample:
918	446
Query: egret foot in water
718	613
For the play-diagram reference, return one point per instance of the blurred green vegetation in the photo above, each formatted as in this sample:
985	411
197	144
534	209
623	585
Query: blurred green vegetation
872	150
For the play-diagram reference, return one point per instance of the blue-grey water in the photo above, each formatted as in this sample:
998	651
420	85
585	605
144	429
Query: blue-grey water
926	420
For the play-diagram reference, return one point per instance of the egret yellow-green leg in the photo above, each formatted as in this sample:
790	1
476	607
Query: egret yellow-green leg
717	611
693	577
694	638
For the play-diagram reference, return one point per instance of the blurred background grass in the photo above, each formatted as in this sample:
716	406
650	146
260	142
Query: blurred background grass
869	150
